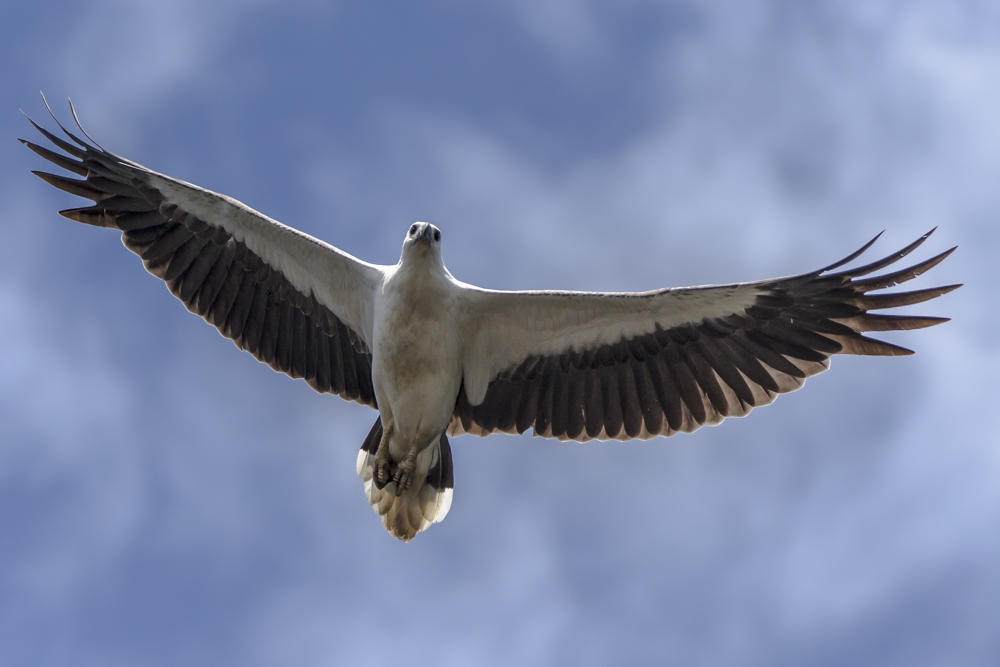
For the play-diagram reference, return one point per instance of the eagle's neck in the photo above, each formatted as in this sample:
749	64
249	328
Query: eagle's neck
421	263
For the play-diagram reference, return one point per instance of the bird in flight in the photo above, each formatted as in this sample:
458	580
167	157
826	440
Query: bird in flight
438	357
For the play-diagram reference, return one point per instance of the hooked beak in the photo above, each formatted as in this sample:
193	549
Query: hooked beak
426	235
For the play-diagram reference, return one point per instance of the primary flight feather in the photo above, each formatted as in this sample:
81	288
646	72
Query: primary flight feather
439	357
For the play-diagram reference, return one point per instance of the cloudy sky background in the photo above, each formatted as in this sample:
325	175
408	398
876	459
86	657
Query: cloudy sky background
165	499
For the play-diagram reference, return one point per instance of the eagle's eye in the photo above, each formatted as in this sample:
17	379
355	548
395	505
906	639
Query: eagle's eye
413	230
437	236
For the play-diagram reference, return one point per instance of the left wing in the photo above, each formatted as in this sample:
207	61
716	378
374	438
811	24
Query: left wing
580	365
296	303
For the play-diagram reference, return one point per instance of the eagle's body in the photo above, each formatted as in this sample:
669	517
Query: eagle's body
416	374
416	357
438	357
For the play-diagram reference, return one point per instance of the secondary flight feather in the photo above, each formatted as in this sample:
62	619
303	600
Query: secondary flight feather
438	357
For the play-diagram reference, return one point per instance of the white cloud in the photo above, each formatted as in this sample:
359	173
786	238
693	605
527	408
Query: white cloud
66	436
568	29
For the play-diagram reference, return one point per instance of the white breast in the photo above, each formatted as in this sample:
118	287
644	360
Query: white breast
416	362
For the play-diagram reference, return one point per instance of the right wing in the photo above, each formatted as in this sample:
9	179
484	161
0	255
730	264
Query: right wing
294	302
578	365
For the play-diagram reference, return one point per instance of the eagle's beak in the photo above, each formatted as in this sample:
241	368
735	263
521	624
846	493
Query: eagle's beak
426	235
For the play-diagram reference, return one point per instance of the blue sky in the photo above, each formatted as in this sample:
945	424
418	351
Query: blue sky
168	500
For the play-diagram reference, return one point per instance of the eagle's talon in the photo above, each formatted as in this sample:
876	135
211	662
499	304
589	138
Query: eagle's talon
381	475
404	471
382	460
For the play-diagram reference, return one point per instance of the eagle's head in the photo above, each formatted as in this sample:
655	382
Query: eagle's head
423	240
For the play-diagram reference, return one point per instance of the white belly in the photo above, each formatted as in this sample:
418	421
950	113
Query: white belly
415	361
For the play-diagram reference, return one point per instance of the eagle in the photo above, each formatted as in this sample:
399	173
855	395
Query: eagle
437	357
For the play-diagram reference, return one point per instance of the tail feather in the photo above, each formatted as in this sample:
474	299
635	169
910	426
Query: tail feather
428	499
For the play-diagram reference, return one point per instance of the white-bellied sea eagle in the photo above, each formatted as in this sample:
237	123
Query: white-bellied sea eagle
438	357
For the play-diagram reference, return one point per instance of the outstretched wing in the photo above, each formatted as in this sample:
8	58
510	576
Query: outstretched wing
294	302
577	366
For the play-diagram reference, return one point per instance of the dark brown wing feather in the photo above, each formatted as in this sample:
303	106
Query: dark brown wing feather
682	378
216	276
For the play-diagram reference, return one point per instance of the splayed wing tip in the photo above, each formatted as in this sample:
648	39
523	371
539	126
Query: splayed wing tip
853	256
881	263
76	120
